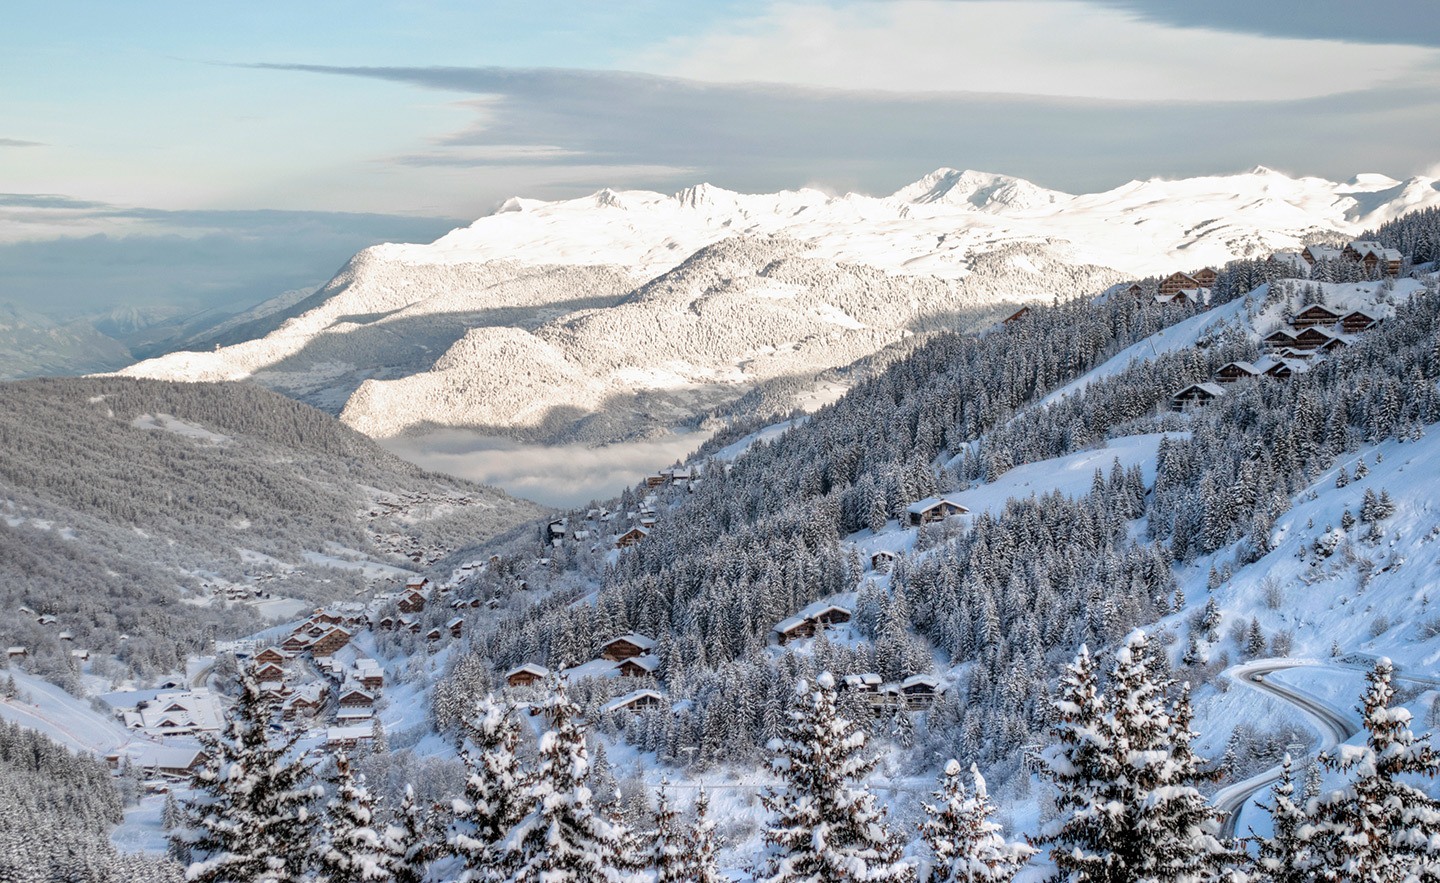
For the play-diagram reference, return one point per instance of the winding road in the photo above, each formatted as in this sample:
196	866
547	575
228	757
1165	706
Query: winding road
1335	726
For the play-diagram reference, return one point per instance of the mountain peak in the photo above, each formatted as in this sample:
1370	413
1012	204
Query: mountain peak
987	191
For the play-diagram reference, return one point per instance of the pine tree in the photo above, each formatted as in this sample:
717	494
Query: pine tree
669	854
562	839
702	865
1285	856
1379	827
967	845
410	841
1126	775
353	850
826	828
494	790
250	819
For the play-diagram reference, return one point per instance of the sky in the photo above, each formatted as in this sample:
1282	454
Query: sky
177	156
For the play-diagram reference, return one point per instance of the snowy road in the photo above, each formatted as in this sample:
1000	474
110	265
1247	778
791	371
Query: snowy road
1335	727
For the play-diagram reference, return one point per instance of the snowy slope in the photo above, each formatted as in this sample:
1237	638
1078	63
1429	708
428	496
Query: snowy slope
626	313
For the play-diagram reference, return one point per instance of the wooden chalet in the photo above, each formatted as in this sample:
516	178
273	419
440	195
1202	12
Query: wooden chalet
1278	339
386	623
1016	316
809	621
1314	337
655	480
16	652
1357	321
1178	282
1196	394
369	674
330	642
456	626
919	691
410	602
1313	254
408	624
1284	369
354	697
933	510
1185	297
636	701
305	702
80	655
1234	371
272	656
1135	290
417	584
1314	316
1375	257
1205	277
638	667
296	643
526	675
883	560
434	634
162	761
348	737
631	537
269	672
626	647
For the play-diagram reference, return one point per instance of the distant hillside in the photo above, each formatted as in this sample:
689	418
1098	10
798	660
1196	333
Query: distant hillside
132	510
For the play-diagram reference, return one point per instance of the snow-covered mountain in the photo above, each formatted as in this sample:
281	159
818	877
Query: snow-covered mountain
623	313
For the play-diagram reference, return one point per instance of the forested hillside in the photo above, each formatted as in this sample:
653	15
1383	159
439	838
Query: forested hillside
147	518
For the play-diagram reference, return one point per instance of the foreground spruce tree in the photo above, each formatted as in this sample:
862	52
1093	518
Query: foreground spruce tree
561	838
670	850
1285	856
1126	777
826	827
410	838
494	790
1379	828
250	820
967	845
354	849
702	865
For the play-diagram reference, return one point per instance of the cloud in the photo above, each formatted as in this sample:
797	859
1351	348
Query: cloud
1410	22
563	476
16	142
1058	48
762	137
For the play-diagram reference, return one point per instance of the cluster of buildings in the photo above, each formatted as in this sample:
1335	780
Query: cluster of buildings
1180	289
627	656
168	711
1307	335
596	524
1376	258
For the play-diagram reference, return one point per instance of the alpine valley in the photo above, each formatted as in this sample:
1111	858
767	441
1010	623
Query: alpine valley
1027	536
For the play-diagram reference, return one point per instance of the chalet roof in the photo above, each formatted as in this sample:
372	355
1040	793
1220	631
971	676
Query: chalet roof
459	620
1362	314
1213	389
539	671
15	651
628	699
1317	311
868	679
1247	367
884	553
416	582
920	681
1181	277
595	668
1323	252
164	757
1316	330
1279	334
1295	366
334	735
356	691
646	663
920	507
809	613
641	641
1363	247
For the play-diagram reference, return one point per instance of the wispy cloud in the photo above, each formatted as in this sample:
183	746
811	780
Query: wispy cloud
16	142
767	137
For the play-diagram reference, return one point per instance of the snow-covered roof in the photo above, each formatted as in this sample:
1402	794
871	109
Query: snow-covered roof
628	699
1247	367
1213	389
595	668
149	756
647	663
348	734
868	679
920	681
920	507
539	671
641	641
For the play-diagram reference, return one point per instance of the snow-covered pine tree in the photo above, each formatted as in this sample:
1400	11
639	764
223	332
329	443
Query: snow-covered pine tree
967	845
410	840
352	850
668	853
562	839
1378	827
250	818
826	826
1081	766
1285	855
702	865
494	790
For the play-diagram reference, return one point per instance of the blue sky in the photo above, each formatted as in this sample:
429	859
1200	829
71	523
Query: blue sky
201	154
